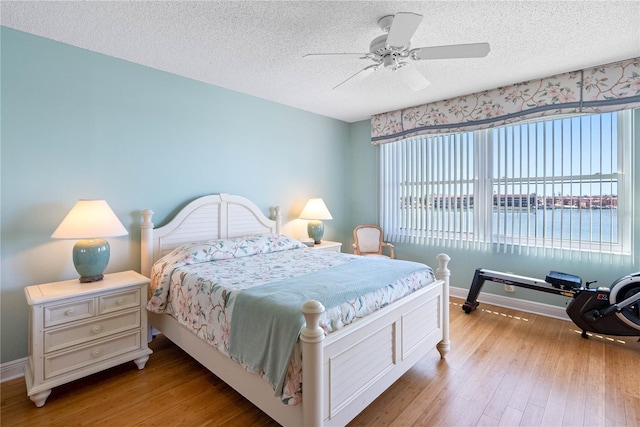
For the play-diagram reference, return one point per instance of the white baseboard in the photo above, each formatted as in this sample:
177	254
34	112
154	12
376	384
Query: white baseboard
514	303
13	369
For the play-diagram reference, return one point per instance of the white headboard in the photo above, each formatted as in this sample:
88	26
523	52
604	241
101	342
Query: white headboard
217	216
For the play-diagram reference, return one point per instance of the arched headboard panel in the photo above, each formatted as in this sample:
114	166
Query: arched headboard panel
215	216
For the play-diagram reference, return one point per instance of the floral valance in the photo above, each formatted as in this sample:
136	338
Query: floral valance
599	89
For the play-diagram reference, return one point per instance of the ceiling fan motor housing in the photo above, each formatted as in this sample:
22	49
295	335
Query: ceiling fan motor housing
387	55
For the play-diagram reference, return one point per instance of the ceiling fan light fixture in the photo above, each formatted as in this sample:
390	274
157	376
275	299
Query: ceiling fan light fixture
413	78
390	61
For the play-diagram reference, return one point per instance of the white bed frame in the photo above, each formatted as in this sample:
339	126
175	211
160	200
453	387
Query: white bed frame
343	372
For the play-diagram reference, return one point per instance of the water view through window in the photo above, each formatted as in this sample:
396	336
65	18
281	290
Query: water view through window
593	225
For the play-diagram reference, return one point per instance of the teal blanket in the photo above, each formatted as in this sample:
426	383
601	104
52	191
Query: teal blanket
267	321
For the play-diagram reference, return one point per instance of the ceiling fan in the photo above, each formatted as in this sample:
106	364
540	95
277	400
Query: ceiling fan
393	51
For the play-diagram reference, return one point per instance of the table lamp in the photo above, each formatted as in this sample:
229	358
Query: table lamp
90	220
315	211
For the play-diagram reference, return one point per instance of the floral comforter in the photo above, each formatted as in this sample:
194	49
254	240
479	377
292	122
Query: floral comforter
197	284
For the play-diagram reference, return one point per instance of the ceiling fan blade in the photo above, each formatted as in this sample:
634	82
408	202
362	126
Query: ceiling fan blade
360	75
471	50
413	78
335	54
403	27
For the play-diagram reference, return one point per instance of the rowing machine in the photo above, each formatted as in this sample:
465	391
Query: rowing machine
611	310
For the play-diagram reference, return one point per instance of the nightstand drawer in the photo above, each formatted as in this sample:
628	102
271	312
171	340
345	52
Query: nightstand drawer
63	313
327	245
119	301
58	339
66	361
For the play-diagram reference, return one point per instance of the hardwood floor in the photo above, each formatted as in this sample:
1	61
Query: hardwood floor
505	368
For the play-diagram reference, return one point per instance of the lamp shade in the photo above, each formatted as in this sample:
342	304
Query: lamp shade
90	220
315	209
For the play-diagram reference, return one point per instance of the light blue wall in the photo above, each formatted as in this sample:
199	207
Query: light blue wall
76	124
363	177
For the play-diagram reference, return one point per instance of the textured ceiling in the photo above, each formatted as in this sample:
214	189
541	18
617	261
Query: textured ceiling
257	47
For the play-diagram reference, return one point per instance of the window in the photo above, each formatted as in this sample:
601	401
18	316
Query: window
558	184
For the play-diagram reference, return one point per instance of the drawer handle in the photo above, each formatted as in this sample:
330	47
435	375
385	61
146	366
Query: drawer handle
69	312
119	301
97	352
96	329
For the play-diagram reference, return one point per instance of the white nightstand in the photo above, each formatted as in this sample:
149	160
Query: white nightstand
327	245
77	329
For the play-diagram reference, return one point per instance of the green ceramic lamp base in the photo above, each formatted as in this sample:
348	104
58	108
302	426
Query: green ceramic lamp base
315	229
90	257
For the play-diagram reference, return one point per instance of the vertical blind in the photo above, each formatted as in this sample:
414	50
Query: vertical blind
427	189
556	186
550	187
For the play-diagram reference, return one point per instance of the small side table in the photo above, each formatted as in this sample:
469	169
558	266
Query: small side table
77	329
327	245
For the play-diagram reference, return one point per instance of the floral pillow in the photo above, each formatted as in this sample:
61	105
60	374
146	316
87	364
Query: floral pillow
210	250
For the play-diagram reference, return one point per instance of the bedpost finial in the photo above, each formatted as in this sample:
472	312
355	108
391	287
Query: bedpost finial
312	310
444	257
312	307
146	217
276	215
443	262
274	212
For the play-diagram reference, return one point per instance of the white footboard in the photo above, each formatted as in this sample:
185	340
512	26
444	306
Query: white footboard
349	369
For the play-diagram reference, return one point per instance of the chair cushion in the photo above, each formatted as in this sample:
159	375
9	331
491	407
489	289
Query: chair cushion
368	240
